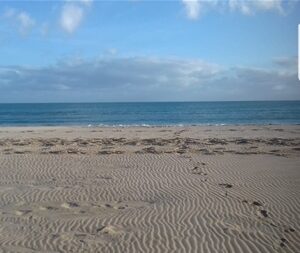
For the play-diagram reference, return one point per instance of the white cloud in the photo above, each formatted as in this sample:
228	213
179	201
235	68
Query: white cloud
71	17
251	7
21	19
86	2
25	22
9	13
247	7
111	52
240	5
72	14
268	4
192	8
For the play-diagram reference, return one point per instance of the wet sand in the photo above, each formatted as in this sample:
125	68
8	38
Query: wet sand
150	189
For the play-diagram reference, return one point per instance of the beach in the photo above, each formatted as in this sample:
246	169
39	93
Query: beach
150	189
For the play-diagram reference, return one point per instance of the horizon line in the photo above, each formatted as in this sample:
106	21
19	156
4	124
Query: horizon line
121	102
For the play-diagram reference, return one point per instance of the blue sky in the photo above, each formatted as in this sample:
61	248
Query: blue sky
73	51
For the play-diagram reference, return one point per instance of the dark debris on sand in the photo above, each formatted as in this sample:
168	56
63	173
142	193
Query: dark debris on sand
226	185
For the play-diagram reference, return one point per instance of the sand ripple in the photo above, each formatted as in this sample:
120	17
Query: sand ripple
149	203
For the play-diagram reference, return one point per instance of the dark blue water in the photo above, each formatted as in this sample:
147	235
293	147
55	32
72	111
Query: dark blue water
169	113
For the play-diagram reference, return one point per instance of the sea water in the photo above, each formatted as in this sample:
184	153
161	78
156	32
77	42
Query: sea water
150	113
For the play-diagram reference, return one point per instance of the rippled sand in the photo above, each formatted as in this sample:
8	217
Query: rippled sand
175	189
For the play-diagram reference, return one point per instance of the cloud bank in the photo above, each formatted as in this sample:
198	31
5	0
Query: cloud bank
145	79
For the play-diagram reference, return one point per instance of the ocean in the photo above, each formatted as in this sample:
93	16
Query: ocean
151	113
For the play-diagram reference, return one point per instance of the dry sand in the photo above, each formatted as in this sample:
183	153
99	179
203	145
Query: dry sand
172	189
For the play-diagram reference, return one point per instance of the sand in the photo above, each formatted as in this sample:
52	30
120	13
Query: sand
150	189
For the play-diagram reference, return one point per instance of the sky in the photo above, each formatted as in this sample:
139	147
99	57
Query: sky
138	50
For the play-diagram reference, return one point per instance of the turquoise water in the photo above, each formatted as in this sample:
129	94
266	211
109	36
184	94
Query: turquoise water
168	113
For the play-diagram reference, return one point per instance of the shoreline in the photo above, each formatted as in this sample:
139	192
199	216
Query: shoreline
147	125
203	130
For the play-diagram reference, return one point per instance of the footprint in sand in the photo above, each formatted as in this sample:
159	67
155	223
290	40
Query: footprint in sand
101	234
115	206
263	213
282	242
66	210
198	170
288	230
